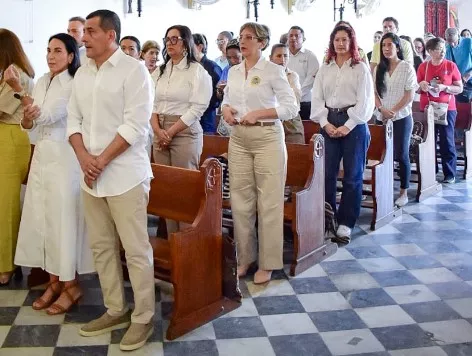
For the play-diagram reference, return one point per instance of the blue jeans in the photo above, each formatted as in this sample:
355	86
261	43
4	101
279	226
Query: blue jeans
447	146
402	130
353	150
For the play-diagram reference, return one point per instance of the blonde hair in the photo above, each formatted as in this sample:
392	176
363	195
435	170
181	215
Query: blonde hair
148	45
262	32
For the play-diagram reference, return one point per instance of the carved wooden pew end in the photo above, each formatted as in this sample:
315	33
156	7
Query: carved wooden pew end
196	259
425	158
305	210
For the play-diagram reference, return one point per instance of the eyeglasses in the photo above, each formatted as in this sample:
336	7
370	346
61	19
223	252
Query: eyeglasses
173	40
440	49
248	37
220	41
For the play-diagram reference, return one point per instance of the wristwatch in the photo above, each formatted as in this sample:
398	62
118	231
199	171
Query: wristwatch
20	95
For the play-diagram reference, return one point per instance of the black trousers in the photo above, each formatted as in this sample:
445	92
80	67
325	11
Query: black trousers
305	110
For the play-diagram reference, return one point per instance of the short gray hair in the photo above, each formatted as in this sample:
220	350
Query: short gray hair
451	32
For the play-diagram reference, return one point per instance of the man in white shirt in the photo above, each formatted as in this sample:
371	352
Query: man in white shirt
390	25
305	64
108	126
76	29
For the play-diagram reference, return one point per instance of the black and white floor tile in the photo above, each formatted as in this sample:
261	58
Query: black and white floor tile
403	290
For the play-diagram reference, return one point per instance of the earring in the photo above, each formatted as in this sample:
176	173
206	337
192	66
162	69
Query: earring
184	53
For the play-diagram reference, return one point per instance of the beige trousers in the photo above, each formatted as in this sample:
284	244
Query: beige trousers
184	151
122	218
257	166
294	131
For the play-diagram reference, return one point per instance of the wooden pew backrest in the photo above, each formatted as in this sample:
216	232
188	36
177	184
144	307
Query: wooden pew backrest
310	128
299	164
377	146
422	117
464	116
214	145
182	202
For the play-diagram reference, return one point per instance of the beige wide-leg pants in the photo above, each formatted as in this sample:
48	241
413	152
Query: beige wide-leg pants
122	218
257	166
184	151
185	148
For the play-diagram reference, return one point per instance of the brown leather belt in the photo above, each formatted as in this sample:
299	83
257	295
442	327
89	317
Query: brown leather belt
258	123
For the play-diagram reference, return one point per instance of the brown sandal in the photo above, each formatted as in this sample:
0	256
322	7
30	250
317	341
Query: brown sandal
56	309
44	304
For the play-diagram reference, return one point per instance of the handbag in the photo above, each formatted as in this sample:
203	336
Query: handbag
439	109
224	129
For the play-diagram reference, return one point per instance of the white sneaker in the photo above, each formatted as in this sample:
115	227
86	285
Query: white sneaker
343	231
402	200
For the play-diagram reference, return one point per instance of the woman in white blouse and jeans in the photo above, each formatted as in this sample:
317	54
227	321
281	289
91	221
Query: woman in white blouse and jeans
257	98
343	102
395	86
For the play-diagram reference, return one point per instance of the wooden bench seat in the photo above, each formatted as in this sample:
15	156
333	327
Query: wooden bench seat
191	258
305	210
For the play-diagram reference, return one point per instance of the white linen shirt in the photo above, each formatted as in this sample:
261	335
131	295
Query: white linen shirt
183	91
341	87
114	99
52	97
401	80
266	87
306	65
222	62
83	55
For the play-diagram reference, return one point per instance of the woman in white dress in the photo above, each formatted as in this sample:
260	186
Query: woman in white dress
52	229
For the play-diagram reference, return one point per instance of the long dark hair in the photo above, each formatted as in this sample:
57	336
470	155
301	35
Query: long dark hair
11	52
187	40
71	47
384	64
353	48
423	54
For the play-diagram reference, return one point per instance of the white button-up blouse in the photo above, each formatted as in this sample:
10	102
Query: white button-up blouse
338	88
52	97
184	91
266	87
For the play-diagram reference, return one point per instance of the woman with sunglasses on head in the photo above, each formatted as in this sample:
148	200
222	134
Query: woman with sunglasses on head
342	103
222	41
52	231
183	93
257	98
16	83
395	86
440	80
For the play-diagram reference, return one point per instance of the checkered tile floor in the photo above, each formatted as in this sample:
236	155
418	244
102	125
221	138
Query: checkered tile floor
405	289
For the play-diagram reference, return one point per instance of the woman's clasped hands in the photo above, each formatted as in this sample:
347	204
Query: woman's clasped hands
334	132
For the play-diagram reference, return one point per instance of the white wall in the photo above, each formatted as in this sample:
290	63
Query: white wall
465	9
50	17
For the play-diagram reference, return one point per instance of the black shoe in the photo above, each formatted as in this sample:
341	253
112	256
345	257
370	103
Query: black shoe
450	180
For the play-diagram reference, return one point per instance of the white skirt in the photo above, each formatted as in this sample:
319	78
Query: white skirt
52	232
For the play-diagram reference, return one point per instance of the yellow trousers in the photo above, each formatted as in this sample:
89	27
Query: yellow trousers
15	150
